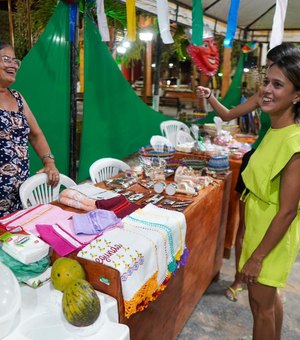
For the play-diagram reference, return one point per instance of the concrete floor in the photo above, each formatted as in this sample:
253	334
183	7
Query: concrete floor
216	318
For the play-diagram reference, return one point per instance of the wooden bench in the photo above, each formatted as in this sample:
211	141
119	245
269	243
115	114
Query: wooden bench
184	98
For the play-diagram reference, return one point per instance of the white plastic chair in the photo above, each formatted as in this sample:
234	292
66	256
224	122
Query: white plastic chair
169	129
183	137
35	189
159	142
105	168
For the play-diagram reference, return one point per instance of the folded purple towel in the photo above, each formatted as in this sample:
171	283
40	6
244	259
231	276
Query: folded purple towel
95	222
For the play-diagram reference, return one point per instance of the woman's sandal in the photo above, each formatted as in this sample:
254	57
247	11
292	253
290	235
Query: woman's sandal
232	294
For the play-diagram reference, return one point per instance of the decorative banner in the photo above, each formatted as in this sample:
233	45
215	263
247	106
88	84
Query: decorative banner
249	47
163	21
102	21
231	23
278	23
131	20
73	18
206	57
197	23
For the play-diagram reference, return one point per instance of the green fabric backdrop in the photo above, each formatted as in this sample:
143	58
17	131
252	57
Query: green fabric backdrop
44	81
233	95
116	122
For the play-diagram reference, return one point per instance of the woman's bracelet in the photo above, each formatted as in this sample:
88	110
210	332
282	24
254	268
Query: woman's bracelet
209	95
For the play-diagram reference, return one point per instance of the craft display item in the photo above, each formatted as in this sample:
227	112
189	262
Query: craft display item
171	189
186	187
181	205
146	184
159	187
154	199
218	164
135	197
121	182
167	202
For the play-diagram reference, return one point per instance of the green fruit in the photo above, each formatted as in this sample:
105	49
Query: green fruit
64	271
81	304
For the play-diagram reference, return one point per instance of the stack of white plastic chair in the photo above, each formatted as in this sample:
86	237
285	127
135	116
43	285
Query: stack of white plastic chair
183	137
105	168
35	189
160	143
170	128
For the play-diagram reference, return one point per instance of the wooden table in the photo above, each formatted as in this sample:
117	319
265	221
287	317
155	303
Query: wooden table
233	208
165	317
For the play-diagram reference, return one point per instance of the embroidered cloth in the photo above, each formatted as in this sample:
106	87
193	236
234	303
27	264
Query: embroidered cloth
145	252
41	214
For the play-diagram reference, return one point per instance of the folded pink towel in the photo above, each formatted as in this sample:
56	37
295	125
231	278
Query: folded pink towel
58	239
75	199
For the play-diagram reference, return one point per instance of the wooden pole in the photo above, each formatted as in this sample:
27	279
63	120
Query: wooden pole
226	71
11	24
147	71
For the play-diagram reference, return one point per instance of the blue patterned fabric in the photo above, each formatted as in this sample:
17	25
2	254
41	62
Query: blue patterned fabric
14	160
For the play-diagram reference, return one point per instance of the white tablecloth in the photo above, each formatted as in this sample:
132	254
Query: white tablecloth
41	318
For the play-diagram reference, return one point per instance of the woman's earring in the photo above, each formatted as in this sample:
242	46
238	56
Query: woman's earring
295	102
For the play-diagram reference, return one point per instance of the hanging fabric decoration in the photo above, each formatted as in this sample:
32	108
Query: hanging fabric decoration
249	47
102	21
231	23
278	23
197	23
163	21
131	20
73	16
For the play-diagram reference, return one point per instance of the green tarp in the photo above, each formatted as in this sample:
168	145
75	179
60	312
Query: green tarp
44	81
116	122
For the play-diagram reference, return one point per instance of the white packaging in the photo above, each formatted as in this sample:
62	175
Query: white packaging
24	247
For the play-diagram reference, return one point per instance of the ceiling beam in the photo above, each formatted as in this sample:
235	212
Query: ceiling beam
258	18
211	5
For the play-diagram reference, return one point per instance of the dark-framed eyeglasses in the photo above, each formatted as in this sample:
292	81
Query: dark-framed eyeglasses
9	61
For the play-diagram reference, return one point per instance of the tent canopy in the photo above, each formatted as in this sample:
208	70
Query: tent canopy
255	17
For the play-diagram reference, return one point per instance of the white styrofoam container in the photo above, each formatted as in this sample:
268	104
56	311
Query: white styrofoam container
10	300
41	318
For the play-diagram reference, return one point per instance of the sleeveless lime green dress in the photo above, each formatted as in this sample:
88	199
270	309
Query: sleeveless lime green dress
262	179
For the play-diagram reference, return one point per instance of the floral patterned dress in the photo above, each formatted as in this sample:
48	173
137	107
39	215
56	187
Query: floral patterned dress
14	158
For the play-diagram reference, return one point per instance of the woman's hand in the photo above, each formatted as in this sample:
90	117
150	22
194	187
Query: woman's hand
251	270
203	92
52	173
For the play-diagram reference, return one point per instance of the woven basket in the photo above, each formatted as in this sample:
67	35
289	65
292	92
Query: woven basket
212	131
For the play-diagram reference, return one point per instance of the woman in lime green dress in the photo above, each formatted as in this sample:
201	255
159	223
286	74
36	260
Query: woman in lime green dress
272	217
276	53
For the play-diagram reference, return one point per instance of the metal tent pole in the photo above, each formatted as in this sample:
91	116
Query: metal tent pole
158	50
73	89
